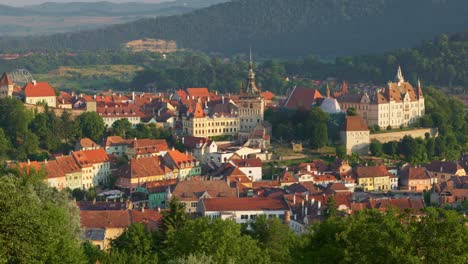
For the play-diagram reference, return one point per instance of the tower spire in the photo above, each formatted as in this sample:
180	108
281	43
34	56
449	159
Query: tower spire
328	91
251	87
399	76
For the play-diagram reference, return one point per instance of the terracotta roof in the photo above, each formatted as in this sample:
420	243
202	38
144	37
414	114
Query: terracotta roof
198	112
267	95
116	218
88	143
192	190
244	204
301	97
355	123
444	166
160	186
115	140
5	80
372	171
286	177
198	92
178	158
53	169
122	111
143	167
247	162
68	164
401	203
265	184
86	158
145	146
195	142
415	173
40	89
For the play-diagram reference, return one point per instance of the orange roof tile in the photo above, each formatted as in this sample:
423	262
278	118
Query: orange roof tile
355	123
40	89
5	80
198	92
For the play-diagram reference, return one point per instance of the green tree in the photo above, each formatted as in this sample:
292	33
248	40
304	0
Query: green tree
4	145
175	217
341	151
376	148
121	127
137	241
91	125
275	238
38	224
351	112
219	239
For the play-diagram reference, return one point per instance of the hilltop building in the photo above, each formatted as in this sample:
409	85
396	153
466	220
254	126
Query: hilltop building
398	104
6	86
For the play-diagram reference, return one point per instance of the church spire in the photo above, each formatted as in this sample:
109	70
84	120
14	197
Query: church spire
251	87
399	76
328	91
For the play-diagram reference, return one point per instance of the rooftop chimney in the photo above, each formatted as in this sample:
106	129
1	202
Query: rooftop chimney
34	82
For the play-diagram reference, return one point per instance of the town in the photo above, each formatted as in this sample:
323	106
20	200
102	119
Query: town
219	156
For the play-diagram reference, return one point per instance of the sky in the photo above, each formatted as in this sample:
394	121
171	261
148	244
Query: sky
34	2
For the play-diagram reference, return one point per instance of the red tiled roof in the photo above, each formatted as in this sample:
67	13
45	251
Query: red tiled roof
244	204
180	158
286	177
115	140
198	112
415	173
302	98
88	157
68	164
372	171
198	92
5	80
355	123
267	95
117	218
143	167
88	143
41	89
192	190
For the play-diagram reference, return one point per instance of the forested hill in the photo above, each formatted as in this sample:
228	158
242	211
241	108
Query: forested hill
278	27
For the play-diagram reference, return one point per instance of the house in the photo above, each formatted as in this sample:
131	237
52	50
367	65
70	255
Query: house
95	166
373	178
252	168
355	135
243	210
182	164
192	192
138	172
86	144
112	113
158	192
101	226
341	167
453	191
73	172
414	178
444	170
139	148
116	145
39	92
415	206
302	98
286	178
200	147
54	175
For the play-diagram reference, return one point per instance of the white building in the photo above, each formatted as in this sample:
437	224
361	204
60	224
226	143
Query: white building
243	210
40	92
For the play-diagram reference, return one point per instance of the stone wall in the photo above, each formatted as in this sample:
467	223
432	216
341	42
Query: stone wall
395	136
57	111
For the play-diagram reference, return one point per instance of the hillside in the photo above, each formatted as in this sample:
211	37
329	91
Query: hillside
52	17
279	27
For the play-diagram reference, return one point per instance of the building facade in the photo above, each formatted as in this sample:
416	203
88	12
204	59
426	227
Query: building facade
398	104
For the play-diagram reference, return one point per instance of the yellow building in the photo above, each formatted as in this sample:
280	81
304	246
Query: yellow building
373	178
199	124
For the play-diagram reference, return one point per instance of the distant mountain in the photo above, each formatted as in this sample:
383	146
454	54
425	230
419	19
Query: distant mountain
106	8
51	18
278	27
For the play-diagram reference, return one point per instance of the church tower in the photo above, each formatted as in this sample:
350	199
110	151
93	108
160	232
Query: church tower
251	105
6	86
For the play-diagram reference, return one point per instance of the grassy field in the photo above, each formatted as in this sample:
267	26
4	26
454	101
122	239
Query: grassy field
94	78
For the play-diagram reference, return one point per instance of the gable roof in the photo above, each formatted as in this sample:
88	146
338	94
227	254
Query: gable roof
5	80
244	204
372	171
194	189
301	97
444	166
40	89
116	218
246	163
86	158
88	143
198	92
415	173
143	167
